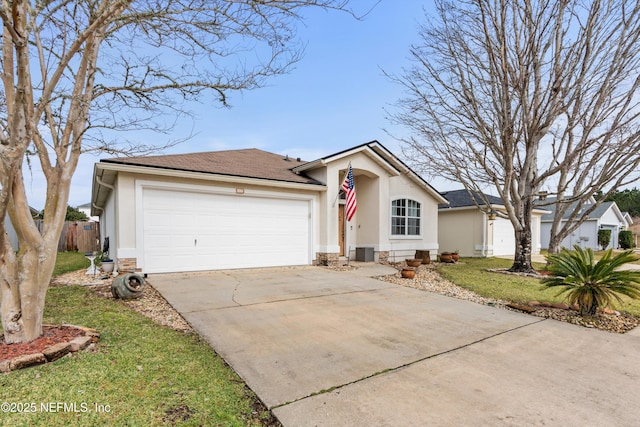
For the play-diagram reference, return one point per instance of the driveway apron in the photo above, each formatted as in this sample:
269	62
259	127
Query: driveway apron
321	347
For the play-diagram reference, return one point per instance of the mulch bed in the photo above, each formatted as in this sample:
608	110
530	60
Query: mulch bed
52	335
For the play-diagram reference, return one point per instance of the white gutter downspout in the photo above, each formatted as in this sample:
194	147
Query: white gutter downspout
101	182
109	186
484	235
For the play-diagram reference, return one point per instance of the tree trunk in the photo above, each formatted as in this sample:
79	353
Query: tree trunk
522	258
23	295
554	243
524	239
10	312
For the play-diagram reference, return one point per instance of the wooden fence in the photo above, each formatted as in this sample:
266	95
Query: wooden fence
78	236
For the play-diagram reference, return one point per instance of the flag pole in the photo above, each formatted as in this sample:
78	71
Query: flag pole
338	194
348	186
334	202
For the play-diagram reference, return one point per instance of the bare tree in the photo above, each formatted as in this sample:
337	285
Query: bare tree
517	95
72	71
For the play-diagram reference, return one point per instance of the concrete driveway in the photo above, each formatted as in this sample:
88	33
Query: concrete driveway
326	348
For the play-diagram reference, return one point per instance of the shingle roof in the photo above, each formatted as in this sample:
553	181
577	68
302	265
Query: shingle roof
461	198
251	163
597	212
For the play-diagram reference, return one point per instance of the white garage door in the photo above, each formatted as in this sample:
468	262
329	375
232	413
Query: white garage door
504	240
189	231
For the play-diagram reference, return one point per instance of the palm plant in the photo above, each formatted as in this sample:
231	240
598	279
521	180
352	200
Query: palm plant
591	284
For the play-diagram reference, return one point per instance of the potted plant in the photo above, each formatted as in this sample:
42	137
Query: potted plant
424	256
413	262
455	255
446	257
106	264
408	272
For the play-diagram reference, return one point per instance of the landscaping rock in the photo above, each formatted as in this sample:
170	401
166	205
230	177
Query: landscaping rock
80	343
56	351
522	307
27	360
89	332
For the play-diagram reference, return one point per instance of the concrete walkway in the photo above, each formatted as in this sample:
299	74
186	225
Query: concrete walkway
326	348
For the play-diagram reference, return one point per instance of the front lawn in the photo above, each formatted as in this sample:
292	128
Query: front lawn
142	374
70	261
472	274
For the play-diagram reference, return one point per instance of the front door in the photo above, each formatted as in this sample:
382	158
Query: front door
341	229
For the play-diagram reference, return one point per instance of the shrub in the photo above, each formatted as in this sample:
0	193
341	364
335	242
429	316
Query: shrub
592	285
625	239
604	237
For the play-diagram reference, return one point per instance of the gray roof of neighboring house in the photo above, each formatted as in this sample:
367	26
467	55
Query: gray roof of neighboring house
461	198
597	213
250	163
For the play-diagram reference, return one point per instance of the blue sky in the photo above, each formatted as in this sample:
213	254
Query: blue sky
333	99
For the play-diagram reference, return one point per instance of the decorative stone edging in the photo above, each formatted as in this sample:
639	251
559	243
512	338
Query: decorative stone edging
53	352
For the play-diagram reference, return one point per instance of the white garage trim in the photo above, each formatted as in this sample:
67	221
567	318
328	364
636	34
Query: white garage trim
224	238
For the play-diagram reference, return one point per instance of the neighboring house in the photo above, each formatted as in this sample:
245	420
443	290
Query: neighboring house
11	232
628	219
606	216
468	227
251	208
635	229
86	209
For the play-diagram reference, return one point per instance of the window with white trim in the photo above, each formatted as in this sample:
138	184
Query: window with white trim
405	217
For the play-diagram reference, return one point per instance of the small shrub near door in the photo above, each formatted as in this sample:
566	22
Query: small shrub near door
625	239
604	237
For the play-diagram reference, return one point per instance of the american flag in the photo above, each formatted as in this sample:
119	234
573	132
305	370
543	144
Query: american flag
350	190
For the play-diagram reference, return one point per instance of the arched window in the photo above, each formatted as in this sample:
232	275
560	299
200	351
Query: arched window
405	217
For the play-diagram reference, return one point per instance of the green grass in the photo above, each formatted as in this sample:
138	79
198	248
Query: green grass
142	374
70	261
598	255
472	274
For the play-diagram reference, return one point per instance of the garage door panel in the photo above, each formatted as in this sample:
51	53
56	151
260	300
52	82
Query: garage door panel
504	241
222	231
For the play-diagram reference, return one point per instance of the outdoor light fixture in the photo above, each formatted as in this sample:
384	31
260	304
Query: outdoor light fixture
492	215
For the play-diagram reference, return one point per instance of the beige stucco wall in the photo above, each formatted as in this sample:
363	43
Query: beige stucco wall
401	187
367	230
462	230
125	211
471	232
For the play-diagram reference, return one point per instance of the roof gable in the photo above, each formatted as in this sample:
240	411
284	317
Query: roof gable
597	213
250	163
381	155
